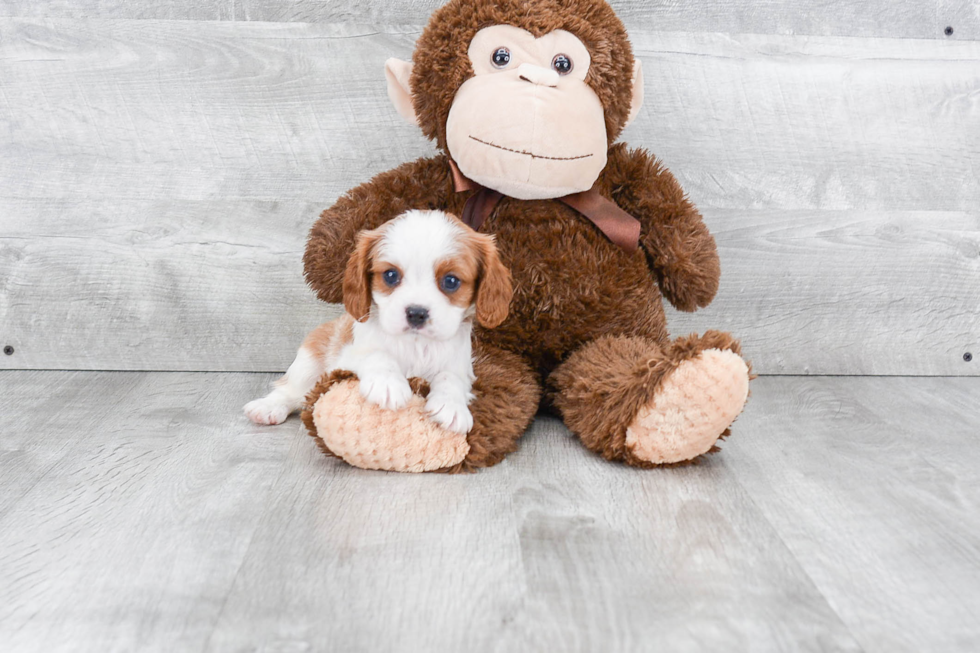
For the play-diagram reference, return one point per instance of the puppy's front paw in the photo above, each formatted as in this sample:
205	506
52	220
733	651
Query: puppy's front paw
267	411
452	415
388	391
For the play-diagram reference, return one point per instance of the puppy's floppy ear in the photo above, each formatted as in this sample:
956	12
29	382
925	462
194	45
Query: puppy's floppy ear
357	276
494	292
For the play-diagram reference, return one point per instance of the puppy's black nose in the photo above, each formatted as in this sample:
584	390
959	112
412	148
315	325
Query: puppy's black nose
416	315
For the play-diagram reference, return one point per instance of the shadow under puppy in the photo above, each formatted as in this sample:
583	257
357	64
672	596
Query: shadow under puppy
412	288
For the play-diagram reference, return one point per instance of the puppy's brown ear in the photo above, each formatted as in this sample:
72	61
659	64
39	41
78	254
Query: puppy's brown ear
357	276
495	291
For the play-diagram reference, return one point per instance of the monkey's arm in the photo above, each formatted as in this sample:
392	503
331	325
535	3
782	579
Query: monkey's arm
678	246
420	184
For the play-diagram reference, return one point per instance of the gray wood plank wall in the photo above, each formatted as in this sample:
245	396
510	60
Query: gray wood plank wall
889	18
158	177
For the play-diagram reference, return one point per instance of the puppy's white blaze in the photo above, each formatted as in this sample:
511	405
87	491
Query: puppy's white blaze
416	243
415	234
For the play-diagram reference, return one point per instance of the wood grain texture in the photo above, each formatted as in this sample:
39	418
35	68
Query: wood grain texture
146	514
672	561
141	9
25	458
847	292
139	500
814	123
157	180
552	550
901	18
197	285
181	110
874	486
155	285
186	110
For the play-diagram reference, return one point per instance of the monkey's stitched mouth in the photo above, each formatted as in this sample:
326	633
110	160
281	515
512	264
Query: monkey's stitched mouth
532	154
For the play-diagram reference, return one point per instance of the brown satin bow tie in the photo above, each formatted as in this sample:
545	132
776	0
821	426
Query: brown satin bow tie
618	225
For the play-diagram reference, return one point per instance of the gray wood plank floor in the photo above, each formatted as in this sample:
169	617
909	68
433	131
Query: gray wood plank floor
140	511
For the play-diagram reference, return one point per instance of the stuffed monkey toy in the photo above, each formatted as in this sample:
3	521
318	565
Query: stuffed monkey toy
525	100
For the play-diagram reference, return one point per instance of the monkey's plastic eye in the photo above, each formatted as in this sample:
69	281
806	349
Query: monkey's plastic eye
391	278
501	57
562	64
450	283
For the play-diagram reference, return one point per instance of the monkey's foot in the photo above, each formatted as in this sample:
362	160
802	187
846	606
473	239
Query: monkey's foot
692	408
370	437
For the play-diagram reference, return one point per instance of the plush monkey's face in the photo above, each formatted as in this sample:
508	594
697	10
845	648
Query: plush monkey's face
526	122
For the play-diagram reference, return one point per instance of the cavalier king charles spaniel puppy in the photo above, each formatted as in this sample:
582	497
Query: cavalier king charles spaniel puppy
412	289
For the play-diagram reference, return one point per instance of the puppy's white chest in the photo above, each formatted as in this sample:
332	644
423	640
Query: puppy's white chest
425	358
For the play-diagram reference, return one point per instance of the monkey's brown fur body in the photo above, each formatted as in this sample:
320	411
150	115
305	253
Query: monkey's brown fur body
586	334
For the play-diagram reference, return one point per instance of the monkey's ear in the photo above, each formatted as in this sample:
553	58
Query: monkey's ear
637	101
398	73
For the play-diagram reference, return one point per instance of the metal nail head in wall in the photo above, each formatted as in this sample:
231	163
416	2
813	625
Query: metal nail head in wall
8	350
968	357
948	31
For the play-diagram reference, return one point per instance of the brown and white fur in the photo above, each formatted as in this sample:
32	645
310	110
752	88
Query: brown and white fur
412	288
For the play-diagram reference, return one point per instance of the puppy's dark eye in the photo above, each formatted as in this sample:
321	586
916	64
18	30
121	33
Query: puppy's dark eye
449	283
391	277
562	64
501	57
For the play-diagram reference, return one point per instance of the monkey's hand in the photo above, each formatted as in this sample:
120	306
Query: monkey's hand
680	251
688	281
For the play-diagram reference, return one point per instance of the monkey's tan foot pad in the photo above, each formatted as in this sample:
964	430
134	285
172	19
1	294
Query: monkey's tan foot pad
370	437
692	408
